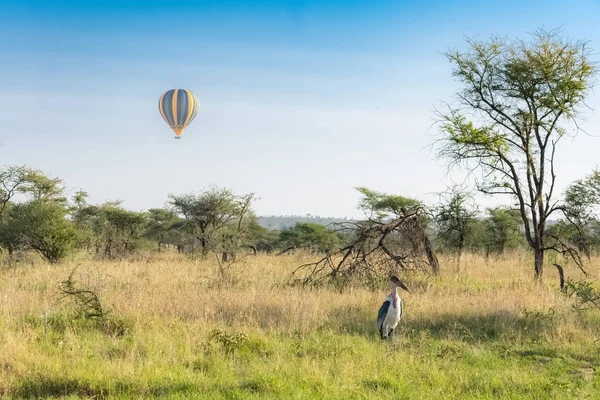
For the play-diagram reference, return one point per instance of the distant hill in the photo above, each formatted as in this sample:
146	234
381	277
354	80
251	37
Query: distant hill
279	222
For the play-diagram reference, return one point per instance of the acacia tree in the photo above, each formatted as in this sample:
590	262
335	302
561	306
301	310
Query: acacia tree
12	180
216	217
16	179
516	100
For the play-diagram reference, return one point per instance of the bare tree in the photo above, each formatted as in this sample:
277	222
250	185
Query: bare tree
516	98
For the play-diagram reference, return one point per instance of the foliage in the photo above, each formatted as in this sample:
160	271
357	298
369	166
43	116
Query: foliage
160	225
504	230
116	229
581	225
11	181
43	188
455	220
263	239
587	294
310	236
229	341
216	217
41	226
87	301
383	206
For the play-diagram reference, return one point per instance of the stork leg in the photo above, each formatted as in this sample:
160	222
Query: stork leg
391	333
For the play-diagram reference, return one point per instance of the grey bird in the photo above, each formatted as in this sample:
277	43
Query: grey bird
390	311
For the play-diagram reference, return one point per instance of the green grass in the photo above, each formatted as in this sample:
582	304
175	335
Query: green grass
485	336
468	358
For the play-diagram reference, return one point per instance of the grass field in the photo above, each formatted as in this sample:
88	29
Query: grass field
488	332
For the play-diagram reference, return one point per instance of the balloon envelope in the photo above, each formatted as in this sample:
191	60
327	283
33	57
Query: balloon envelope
178	108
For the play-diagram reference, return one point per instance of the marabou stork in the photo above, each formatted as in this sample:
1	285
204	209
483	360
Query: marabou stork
390	311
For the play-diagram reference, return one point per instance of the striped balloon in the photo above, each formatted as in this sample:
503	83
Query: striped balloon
178	108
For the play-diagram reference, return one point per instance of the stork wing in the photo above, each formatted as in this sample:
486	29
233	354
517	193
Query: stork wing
383	310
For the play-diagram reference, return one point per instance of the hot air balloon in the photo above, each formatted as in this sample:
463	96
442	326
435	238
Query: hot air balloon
178	108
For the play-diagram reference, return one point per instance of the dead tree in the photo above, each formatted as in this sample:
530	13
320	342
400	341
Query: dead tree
378	249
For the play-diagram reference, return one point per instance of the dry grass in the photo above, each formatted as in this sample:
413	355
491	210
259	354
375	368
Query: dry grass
164	306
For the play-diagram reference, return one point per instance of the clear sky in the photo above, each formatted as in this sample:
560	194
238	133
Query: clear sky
301	101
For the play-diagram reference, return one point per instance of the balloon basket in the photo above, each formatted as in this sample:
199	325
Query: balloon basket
177	137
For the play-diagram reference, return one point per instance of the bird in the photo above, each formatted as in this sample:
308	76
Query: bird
390	311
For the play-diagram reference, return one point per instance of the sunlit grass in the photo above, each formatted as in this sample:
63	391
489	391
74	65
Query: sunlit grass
487	332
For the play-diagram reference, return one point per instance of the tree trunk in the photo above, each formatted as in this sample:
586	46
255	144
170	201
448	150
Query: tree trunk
253	248
461	245
204	246
501	246
458	257
538	261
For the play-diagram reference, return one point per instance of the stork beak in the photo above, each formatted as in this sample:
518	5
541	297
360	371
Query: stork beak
399	283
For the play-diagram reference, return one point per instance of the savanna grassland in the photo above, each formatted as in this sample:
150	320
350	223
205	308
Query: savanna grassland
174	331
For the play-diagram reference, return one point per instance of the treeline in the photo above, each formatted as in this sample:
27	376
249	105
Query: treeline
36	215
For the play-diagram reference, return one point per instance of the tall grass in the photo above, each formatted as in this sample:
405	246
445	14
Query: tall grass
175	330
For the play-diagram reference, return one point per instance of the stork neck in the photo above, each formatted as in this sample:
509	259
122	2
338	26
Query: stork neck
395	296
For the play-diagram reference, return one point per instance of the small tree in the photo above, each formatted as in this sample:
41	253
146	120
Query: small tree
112	229
503	229
83	214
160	224
515	100
582	199
455	217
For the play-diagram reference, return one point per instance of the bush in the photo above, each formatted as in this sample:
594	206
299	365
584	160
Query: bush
41	226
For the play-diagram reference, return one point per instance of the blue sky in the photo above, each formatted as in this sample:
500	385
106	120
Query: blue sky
301	101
